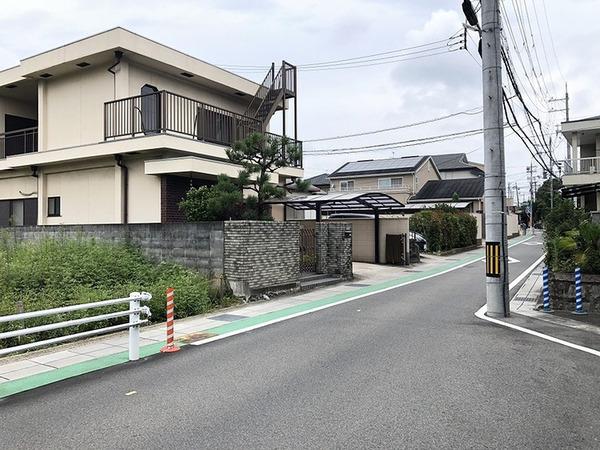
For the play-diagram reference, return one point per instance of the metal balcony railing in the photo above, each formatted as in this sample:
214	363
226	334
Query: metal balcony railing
18	142
581	166
165	112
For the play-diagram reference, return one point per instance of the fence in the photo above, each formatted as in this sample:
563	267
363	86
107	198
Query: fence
134	312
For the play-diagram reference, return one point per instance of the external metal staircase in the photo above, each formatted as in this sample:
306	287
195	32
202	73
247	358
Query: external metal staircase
272	94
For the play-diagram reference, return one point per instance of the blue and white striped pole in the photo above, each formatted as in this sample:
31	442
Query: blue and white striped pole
546	291
578	294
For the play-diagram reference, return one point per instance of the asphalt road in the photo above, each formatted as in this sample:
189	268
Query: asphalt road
407	368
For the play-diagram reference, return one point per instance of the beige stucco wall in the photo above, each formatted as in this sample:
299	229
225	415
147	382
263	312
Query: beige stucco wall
16	108
14	186
512	224
456	174
424	174
74	107
87	195
140	75
144	194
363	236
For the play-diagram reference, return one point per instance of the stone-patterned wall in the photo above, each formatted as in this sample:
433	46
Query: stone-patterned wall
334	248
562	291
261	255
195	245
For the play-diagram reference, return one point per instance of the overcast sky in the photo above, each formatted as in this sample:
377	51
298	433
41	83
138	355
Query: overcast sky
346	101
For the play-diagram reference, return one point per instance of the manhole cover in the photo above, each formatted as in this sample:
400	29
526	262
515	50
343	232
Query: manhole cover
227	317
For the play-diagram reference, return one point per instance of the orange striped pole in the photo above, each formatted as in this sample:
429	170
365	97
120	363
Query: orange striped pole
170	347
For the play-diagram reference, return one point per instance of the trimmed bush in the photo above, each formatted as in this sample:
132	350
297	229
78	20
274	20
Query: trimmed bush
51	273
445	228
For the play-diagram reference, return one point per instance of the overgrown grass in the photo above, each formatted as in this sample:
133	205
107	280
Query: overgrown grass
58	272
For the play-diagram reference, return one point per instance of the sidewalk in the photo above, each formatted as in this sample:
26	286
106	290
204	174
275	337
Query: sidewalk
37	368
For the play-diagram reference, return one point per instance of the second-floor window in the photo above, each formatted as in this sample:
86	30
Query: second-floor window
389	183
347	185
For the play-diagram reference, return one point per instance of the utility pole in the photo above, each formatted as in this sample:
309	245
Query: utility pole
566	110
551	178
517	190
493	142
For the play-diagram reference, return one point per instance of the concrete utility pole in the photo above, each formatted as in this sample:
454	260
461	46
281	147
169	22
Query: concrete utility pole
495	173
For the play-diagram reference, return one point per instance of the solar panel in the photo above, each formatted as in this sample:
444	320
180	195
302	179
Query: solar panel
381	164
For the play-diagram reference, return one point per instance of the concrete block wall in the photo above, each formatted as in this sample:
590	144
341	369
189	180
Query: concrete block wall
259	255
334	248
562	291
195	245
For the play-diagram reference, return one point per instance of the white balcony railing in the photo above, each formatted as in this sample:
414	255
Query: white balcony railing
581	166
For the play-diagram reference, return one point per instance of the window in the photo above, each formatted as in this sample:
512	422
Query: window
389	183
347	185
53	206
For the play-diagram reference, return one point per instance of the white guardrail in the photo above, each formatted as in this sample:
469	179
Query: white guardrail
134	312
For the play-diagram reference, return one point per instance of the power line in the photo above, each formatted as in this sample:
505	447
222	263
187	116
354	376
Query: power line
354	59
471	111
397	144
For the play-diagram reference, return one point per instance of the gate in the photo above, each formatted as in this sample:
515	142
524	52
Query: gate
308	249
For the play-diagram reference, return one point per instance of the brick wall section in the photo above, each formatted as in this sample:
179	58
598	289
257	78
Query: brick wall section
334	248
195	245
562	291
172	191
261	255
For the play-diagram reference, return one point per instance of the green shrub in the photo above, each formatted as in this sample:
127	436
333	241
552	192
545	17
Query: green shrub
575	248
53	272
445	228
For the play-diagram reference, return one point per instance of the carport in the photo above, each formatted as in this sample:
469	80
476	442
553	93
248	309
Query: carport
375	203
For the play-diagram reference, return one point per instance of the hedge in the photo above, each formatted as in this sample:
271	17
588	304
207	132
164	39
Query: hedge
445	229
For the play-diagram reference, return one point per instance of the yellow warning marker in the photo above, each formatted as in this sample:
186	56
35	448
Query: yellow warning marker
492	259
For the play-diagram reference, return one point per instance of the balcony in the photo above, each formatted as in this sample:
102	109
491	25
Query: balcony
18	142
164	112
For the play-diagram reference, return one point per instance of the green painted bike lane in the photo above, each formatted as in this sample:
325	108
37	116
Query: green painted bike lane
9	388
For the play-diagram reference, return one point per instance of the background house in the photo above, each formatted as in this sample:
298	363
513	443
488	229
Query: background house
115	128
399	177
321	181
581	179
456	165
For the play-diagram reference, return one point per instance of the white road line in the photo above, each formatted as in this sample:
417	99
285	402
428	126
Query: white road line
329	305
481	314
527	271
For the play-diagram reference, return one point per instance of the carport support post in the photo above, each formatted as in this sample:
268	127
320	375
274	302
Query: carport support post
318	209
493	143
376	215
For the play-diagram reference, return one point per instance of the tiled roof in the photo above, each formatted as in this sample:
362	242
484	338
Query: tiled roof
466	188
319	180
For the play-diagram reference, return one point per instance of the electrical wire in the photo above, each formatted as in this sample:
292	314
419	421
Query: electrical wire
472	111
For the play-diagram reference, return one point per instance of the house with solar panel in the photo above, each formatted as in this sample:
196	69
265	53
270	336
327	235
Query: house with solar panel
401	178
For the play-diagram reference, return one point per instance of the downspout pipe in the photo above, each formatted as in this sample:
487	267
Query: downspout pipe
111	69
119	160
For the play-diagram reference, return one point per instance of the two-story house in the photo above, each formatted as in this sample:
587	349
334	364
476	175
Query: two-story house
115	128
581	169
454	166
399	177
